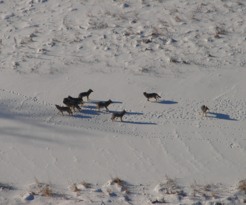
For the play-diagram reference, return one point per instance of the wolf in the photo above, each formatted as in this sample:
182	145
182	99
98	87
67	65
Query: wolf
64	109
77	100
115	115
71	104
151	95
104	104
204	110
85	94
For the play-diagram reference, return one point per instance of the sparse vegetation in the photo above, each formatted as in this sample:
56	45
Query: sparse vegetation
97	25
5	186
26	40
193	17
37	182
159	201
107	12
137	45
171	182
136	15
75	188
16	44
220	30
242	185
121	16
121	183
89	14
177	19
118	181
171	187
47	191
174	9
109	192
44	189
173	60
86	185
214	194
207	187
194	192
155	32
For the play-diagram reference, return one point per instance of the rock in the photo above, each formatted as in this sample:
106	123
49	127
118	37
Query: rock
28	196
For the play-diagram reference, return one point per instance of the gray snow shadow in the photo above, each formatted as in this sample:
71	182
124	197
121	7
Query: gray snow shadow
113	194
90	112
168	102
90	106
127	112
34	115
23	118
91	101
80	116
220	116
103	110
134	113
139	123
96	101
117	102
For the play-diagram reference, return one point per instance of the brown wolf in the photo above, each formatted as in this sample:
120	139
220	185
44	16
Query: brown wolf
115	115
104	104
64	109
204	110
71	104
151	95
85	94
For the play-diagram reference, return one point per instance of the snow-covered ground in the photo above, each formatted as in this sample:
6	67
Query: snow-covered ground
191	53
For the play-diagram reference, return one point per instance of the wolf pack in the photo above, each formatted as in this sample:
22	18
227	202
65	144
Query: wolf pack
74	103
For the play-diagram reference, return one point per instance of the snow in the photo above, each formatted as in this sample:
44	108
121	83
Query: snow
191	53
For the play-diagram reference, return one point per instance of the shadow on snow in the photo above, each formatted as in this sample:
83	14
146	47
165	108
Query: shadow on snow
128	112
167	102
90	112
220	116
96	101
140	123
80	116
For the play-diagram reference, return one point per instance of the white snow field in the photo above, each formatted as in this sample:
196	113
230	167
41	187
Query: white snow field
191	53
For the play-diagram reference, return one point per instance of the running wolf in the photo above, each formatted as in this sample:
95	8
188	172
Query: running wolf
76	100
85	94
204	110
71	104
115	115
104	104
151	95
64	109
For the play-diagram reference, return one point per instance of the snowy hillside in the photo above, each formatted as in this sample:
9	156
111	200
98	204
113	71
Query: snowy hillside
191	53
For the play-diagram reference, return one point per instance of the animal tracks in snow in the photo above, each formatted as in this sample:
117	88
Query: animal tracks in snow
224	118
